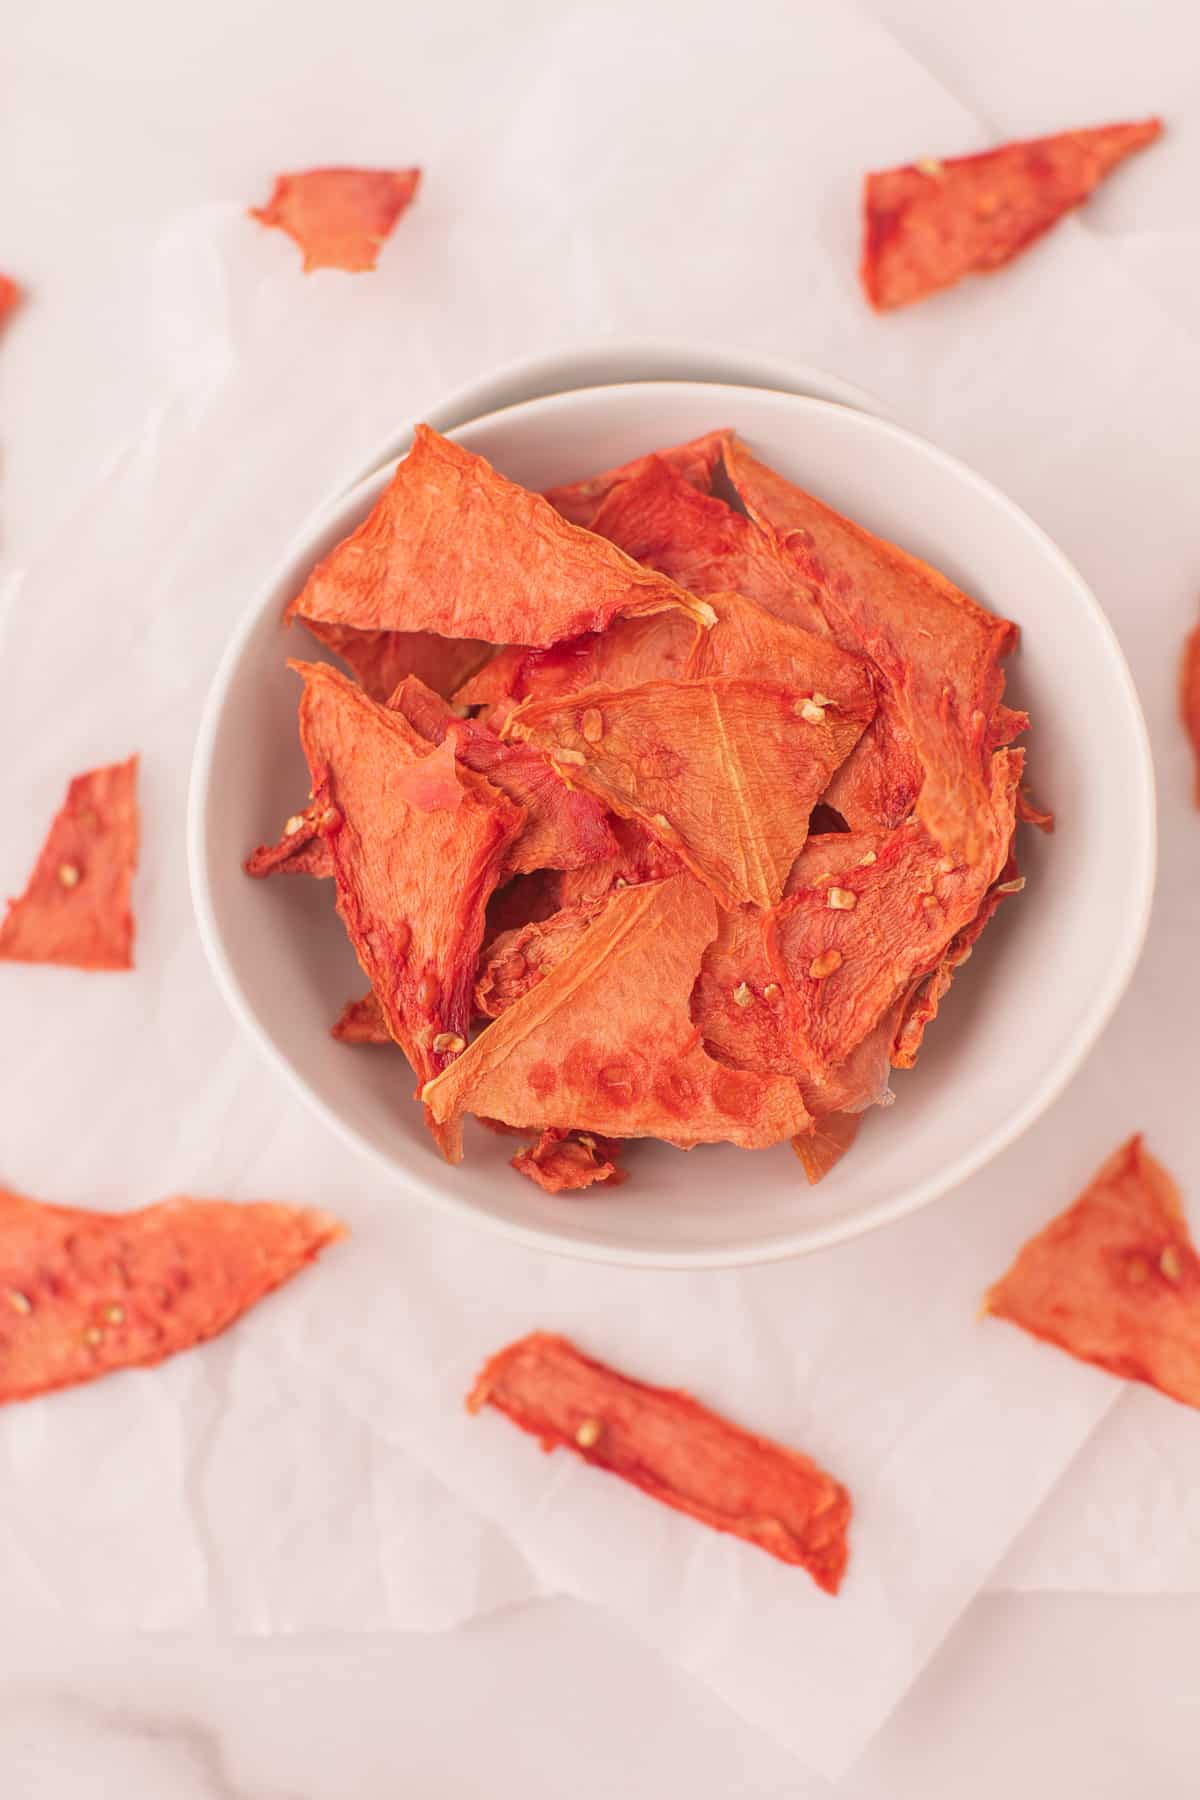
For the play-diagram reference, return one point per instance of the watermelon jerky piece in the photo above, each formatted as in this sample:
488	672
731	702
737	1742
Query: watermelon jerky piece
339	217
604	1042
564	1162
841	950
929	223
694	462
413	880
75	910
674	1449
631	651
823	1146
723	772
563	829
660	519
639	858
937	651
10	296
454	548
84	1293
1115	1280
380	660
516	961
1189	699
361	1022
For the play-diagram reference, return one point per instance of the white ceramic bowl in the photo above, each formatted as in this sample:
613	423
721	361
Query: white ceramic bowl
1021	1017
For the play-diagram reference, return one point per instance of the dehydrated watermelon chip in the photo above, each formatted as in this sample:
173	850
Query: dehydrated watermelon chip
631	651
675	1450
361	1022
929	223
927	997
75	910
1189	698
841	949
937	651
302	847
453	547
563	829
723	772
10	296
604	1043
84	1293
516	961
825	1143
381	659
339	217
565	1162
412	880
1115	1280
639	857
660	519
694	463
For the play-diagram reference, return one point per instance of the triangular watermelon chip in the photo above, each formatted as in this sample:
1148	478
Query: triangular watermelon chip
605	1044
1115	1280
694	462
413	871
84	1293
723	772
454	548
928	224
75	909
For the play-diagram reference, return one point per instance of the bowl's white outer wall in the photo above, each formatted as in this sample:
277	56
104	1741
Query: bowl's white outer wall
1022	1017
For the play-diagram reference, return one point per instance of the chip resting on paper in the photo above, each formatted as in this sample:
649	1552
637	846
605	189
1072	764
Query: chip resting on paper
453	547
929	223
75	910
1115	1280
85	1293
339	217
675	1450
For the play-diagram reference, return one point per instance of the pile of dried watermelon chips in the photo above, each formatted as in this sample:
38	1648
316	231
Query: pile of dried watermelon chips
650	813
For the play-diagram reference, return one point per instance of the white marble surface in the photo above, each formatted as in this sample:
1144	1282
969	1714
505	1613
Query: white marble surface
116	122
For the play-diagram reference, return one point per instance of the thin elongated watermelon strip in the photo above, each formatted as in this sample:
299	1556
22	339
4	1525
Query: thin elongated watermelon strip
85	1293
675	1450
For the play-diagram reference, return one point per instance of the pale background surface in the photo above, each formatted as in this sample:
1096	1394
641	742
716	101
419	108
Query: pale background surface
611	171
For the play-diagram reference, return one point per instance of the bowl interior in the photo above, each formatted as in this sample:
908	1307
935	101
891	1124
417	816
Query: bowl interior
1021	1016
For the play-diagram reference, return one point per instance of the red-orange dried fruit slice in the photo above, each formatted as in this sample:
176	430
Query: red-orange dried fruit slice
639	858
923	1005
361	1022
412	883
75	910
825	1144
1115	1280
339	217
381	659
566	1162
660	519
516	961
694	463
938	652
675	1450
605	1044
10	298
723	772
300	849
842	950
564	829
1189	698
929	223
631	651
85	1293
454	548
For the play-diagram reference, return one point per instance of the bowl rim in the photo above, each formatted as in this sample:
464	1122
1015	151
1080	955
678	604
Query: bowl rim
806	1239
